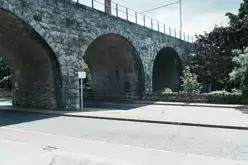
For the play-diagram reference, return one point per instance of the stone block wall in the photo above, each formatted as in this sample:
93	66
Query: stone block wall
69	29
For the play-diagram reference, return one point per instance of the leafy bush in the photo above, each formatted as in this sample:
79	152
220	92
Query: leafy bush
5	75
6	82
226	98
190	84
212	60
216	97
235	90
88	80
245	84
166	91
239	75
245	92
219	92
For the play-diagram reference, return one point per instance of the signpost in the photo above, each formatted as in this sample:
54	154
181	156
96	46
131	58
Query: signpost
81	76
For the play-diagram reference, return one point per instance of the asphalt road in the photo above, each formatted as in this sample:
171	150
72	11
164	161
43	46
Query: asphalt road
213	142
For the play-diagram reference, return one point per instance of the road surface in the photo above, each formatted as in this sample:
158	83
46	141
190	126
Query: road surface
213	142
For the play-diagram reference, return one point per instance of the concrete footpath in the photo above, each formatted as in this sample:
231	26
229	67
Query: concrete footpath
234	117
190	104
44	149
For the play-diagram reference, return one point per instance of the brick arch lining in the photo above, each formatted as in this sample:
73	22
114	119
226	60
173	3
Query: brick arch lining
35	70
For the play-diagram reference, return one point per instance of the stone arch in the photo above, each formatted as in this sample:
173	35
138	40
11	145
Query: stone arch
167	69
35	68
115	66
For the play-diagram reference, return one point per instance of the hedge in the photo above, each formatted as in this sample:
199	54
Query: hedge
226	98
215	98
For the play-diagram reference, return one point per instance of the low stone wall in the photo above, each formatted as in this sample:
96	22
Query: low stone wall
5	93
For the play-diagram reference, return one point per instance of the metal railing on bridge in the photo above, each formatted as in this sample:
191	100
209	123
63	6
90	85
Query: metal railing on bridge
125	13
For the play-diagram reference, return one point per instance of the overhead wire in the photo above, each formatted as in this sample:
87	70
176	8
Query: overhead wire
169	4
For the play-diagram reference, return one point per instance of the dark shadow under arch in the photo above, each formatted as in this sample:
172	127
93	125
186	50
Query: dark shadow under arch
115	67
167	70
35	69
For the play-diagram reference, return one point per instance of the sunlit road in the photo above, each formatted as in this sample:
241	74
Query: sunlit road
231	144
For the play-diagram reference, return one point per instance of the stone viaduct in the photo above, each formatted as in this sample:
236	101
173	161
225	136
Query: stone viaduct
44	42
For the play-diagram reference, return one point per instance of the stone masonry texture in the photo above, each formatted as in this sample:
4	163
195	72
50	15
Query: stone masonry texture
44	43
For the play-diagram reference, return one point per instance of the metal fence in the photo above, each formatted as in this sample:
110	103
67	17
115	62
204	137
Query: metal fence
125	13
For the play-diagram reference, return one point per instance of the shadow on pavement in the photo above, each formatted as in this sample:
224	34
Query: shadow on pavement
15	117
10	115
243	110
12	118
112	106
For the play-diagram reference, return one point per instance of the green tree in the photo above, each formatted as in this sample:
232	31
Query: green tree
190	83
239	75
243	12
5	75
212	60
87	81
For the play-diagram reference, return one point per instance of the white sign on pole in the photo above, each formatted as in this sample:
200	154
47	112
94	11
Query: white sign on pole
81	75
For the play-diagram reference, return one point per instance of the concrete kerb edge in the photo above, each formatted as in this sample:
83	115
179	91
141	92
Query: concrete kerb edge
191	104
60	113
207	105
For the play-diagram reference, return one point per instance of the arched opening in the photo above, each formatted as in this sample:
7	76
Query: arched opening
167	70
35	71
115	67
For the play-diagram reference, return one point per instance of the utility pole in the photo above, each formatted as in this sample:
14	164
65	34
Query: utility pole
180	10
181	19
108	6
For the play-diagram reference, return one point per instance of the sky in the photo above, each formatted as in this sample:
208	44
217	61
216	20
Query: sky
197	15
